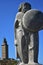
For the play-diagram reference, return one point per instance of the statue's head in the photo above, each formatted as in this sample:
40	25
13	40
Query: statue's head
24	7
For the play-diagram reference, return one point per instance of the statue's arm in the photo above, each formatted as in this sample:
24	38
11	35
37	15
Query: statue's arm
15	32
15	38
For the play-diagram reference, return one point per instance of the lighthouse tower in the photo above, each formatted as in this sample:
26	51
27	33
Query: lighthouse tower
4	49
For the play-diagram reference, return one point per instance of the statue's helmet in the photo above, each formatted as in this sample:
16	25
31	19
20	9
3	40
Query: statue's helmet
24	7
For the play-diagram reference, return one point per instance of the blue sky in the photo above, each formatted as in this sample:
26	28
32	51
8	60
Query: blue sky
8	10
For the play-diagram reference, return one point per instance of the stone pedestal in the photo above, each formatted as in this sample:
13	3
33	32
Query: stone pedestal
29	64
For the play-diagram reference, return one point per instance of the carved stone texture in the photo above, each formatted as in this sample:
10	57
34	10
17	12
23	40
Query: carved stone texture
33	20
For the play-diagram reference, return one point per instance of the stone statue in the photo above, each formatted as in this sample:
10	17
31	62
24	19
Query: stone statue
27	24
20	34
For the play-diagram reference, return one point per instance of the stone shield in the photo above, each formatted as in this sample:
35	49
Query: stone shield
33	20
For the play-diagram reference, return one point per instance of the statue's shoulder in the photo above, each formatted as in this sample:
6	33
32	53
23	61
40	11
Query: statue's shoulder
19	15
